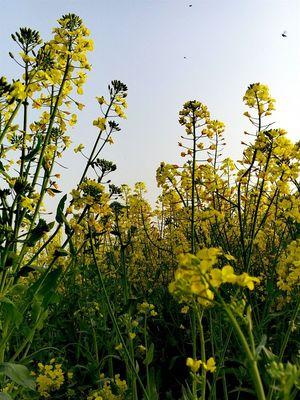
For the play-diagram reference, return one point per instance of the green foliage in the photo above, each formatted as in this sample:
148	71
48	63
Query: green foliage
18	374
194	298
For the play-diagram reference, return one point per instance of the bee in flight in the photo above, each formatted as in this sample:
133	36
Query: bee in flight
284	34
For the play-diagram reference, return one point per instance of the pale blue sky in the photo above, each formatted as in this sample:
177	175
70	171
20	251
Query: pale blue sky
228	44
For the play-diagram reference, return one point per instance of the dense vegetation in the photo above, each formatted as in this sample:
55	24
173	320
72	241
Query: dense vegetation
195	298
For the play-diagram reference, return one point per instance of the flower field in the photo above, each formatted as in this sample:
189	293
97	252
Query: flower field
113	298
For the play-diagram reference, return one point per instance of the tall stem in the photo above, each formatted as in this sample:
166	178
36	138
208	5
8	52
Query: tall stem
250	356
193	188
202	349
114	320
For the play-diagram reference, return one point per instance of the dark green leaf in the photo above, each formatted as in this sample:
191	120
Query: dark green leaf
18	373
43	287
12	314
38	232
34	151
61	253
25	271
60	210
261	345
73	250
5	396
149	357
55	190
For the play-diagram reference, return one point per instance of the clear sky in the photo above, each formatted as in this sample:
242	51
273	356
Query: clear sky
228	44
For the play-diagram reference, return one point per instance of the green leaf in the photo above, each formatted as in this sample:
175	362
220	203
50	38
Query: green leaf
60	216
11	259
55	190
34	151
12	314
60	210
47	291
152	390
25	271
5	396
51	225
173	361
19	374
38	232
73	250
261	345
61	253
44	288
149	357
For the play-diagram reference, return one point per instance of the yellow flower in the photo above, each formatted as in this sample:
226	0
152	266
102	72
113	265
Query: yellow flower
101	100
210	365
246	281
18	91
70	375
100	123
28	203
185	309
119	111
228	274
119	347
288	268
216	277
79	148
194	365
73	120
80	106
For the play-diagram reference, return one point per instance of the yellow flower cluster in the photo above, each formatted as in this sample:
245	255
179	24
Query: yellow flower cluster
89	192
192	113
49	378
8	388
17	91
111	390
100	123
72	35
288	268
214	127
258	96
290	207
28	203
61	62
146	308
79	148
118	104
195	365
196	276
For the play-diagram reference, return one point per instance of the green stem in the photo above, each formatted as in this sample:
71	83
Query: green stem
284	343
194	344
40	161
114	321
193	188
9	122
202	349
250	357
